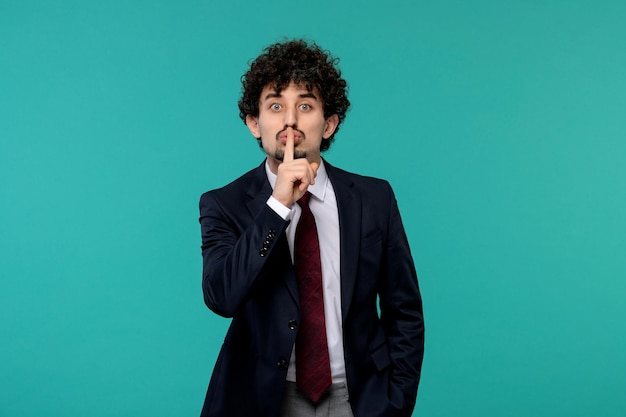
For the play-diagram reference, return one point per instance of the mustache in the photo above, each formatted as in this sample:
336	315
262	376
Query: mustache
295	129
279	154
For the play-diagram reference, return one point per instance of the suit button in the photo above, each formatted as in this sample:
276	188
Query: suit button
293	325
282	364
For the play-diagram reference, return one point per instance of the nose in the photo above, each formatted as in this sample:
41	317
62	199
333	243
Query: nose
290	117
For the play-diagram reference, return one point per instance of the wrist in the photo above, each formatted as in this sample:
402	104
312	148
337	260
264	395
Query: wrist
279	208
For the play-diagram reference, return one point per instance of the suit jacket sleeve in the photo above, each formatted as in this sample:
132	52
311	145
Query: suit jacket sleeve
236	247
401	314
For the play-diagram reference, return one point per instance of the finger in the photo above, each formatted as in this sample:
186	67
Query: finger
289	146
309	176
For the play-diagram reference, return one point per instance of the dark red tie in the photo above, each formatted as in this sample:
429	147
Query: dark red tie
312	361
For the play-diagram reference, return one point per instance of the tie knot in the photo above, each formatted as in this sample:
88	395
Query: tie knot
304	200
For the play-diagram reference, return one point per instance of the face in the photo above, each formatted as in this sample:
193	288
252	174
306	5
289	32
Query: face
298	108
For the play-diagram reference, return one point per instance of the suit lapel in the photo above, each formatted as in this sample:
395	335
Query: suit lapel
349	208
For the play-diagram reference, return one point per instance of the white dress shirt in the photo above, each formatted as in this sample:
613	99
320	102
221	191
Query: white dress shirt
323	205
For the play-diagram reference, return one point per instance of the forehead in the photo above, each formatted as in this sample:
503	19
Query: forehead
290	90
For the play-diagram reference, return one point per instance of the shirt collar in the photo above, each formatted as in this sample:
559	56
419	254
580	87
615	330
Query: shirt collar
318	189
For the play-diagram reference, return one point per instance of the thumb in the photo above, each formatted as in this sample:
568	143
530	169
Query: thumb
314	166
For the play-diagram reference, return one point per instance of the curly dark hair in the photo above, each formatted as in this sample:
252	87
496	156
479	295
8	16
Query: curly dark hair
300	62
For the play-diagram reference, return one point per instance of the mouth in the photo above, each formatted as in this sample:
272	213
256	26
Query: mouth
298	137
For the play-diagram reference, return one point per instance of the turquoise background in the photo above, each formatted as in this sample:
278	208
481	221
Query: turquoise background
501	126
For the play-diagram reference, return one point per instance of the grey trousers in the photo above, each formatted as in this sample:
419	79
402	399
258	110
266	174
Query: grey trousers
333	404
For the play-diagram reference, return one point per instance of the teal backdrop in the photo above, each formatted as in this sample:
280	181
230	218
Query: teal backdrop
500	124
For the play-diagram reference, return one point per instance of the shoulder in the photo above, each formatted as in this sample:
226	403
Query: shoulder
238	188
363	183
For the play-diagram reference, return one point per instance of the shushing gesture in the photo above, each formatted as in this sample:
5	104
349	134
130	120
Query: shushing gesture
293	176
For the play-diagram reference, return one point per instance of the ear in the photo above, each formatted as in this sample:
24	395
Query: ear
329	127
253	124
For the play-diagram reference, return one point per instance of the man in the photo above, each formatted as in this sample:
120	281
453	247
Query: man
298	253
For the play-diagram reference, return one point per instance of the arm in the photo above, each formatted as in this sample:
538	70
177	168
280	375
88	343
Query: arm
234	259
401	313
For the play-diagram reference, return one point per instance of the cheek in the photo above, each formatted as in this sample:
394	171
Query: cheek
268	126
263	130
322	129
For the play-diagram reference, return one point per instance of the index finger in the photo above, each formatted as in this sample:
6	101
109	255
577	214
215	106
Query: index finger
289	146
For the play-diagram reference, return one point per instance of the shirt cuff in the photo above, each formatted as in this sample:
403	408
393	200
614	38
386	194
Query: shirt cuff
285	212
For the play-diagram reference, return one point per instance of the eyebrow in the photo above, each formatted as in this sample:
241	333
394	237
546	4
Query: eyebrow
303	95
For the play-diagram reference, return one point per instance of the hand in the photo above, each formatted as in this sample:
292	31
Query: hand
293	176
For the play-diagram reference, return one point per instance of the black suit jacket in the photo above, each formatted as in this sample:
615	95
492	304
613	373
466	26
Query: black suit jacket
248	275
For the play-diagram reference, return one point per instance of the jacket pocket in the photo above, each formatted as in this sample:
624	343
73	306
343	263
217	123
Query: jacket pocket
380	357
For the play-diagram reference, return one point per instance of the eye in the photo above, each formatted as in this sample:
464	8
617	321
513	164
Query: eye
305	107
275	106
